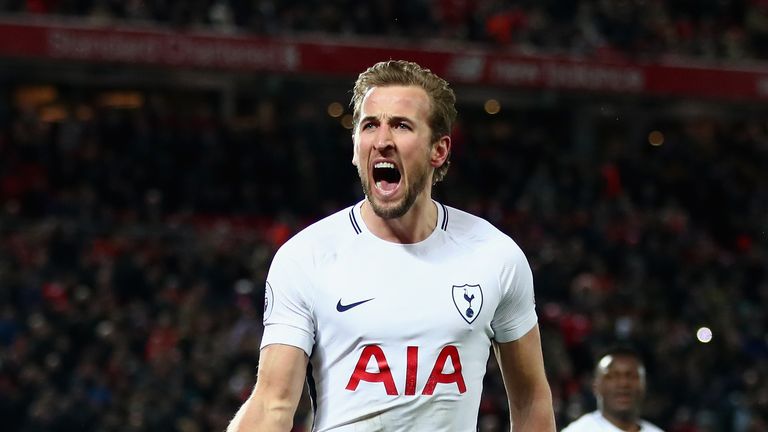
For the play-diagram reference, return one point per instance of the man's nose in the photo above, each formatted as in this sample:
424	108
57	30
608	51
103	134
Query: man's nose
384	139
624	381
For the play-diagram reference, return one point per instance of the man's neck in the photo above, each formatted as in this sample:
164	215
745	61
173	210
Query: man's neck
626	424
414	226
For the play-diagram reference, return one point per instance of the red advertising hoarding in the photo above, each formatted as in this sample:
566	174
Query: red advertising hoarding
331	57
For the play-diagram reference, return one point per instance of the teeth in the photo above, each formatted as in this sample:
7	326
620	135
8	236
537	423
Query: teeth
378	184
384	165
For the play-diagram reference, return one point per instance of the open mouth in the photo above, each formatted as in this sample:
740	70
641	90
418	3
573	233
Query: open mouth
386	176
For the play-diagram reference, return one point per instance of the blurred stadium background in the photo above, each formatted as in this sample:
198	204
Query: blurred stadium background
154	154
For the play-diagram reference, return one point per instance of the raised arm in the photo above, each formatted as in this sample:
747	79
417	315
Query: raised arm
273	402
530	399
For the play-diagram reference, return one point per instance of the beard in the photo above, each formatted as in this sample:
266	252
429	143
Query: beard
397	209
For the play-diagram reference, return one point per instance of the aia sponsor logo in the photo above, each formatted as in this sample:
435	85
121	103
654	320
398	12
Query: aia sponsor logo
409	386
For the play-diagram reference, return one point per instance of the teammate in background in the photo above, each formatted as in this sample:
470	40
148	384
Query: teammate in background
619	387
388	308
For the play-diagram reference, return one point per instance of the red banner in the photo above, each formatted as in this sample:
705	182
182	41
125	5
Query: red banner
213	51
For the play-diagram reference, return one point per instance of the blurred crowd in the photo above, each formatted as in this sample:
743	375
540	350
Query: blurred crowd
134	245
711	29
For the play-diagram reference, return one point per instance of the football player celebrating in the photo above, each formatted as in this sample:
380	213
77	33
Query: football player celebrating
388	308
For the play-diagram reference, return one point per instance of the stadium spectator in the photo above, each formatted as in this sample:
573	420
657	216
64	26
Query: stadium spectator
619	386
733	29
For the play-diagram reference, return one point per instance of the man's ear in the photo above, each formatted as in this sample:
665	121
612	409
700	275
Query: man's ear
354	149
440	151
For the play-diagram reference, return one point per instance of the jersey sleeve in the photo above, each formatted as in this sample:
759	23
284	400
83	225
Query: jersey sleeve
516	312
288	317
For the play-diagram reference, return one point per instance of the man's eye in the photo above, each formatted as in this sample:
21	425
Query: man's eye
403	126
367	126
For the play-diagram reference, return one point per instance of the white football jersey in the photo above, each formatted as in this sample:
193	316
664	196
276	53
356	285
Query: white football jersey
397	335
595	422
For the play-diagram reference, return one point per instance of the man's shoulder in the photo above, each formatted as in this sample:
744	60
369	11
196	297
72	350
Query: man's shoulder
585	423
324	234
468	229
649	427
594	422
464	224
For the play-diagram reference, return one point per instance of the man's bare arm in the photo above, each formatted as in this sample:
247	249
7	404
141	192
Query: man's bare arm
273	402
530	399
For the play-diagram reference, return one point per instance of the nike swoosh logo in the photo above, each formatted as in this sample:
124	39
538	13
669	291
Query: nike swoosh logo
343	308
